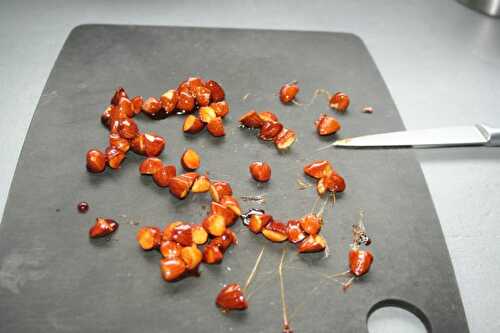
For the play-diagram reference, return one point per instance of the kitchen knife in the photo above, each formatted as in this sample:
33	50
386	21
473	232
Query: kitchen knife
478	135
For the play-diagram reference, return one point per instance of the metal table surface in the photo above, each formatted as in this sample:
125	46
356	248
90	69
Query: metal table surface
440	60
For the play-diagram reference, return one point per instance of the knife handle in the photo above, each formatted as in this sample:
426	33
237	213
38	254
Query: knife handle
491	134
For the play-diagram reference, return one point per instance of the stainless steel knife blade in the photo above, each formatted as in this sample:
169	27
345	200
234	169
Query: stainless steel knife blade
437	137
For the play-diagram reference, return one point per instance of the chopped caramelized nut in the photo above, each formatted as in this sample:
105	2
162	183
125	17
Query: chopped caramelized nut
190	160
149	238
313	243
275	231
172	268
192	124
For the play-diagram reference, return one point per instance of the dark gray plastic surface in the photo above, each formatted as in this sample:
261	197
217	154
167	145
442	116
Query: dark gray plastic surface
53	279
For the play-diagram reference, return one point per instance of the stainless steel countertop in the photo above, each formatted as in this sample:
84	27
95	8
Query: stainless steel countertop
440	60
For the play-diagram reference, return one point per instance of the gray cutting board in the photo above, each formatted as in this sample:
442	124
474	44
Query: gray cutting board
53	279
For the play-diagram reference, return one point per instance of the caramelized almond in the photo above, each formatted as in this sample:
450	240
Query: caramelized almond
218	189
251	119
192	124
169	230
151	106
318	169
150	166
288	92
169	100
231	203
185	102
260	171
154	144
182	234
126	106
270	130
191	256
311	224
137	102
106	116
216	127
170	249
231	298
96	161
116	114
339	102
114	157
327	125
202	96
172	268
229	216
285	139
224	241
268	116
214	224
190	159
193	82
221	108
313	243
321	186
207	114
201	185
119	93
334	183
149	238
162	177
258	222
116	141
148	144
216	92
275	231
295	232
102	227
127	128
229	237
200	235
189	177
212	254
179	187
360	261
183	87
138	144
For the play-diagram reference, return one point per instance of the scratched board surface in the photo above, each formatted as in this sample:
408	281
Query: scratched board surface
54	279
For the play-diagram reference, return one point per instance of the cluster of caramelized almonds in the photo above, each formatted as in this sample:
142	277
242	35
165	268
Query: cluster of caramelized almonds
178	244
163	173
270	128
328	179
193	94
303	232
179	241
124	134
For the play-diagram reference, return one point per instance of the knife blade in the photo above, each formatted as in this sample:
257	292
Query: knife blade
435	137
